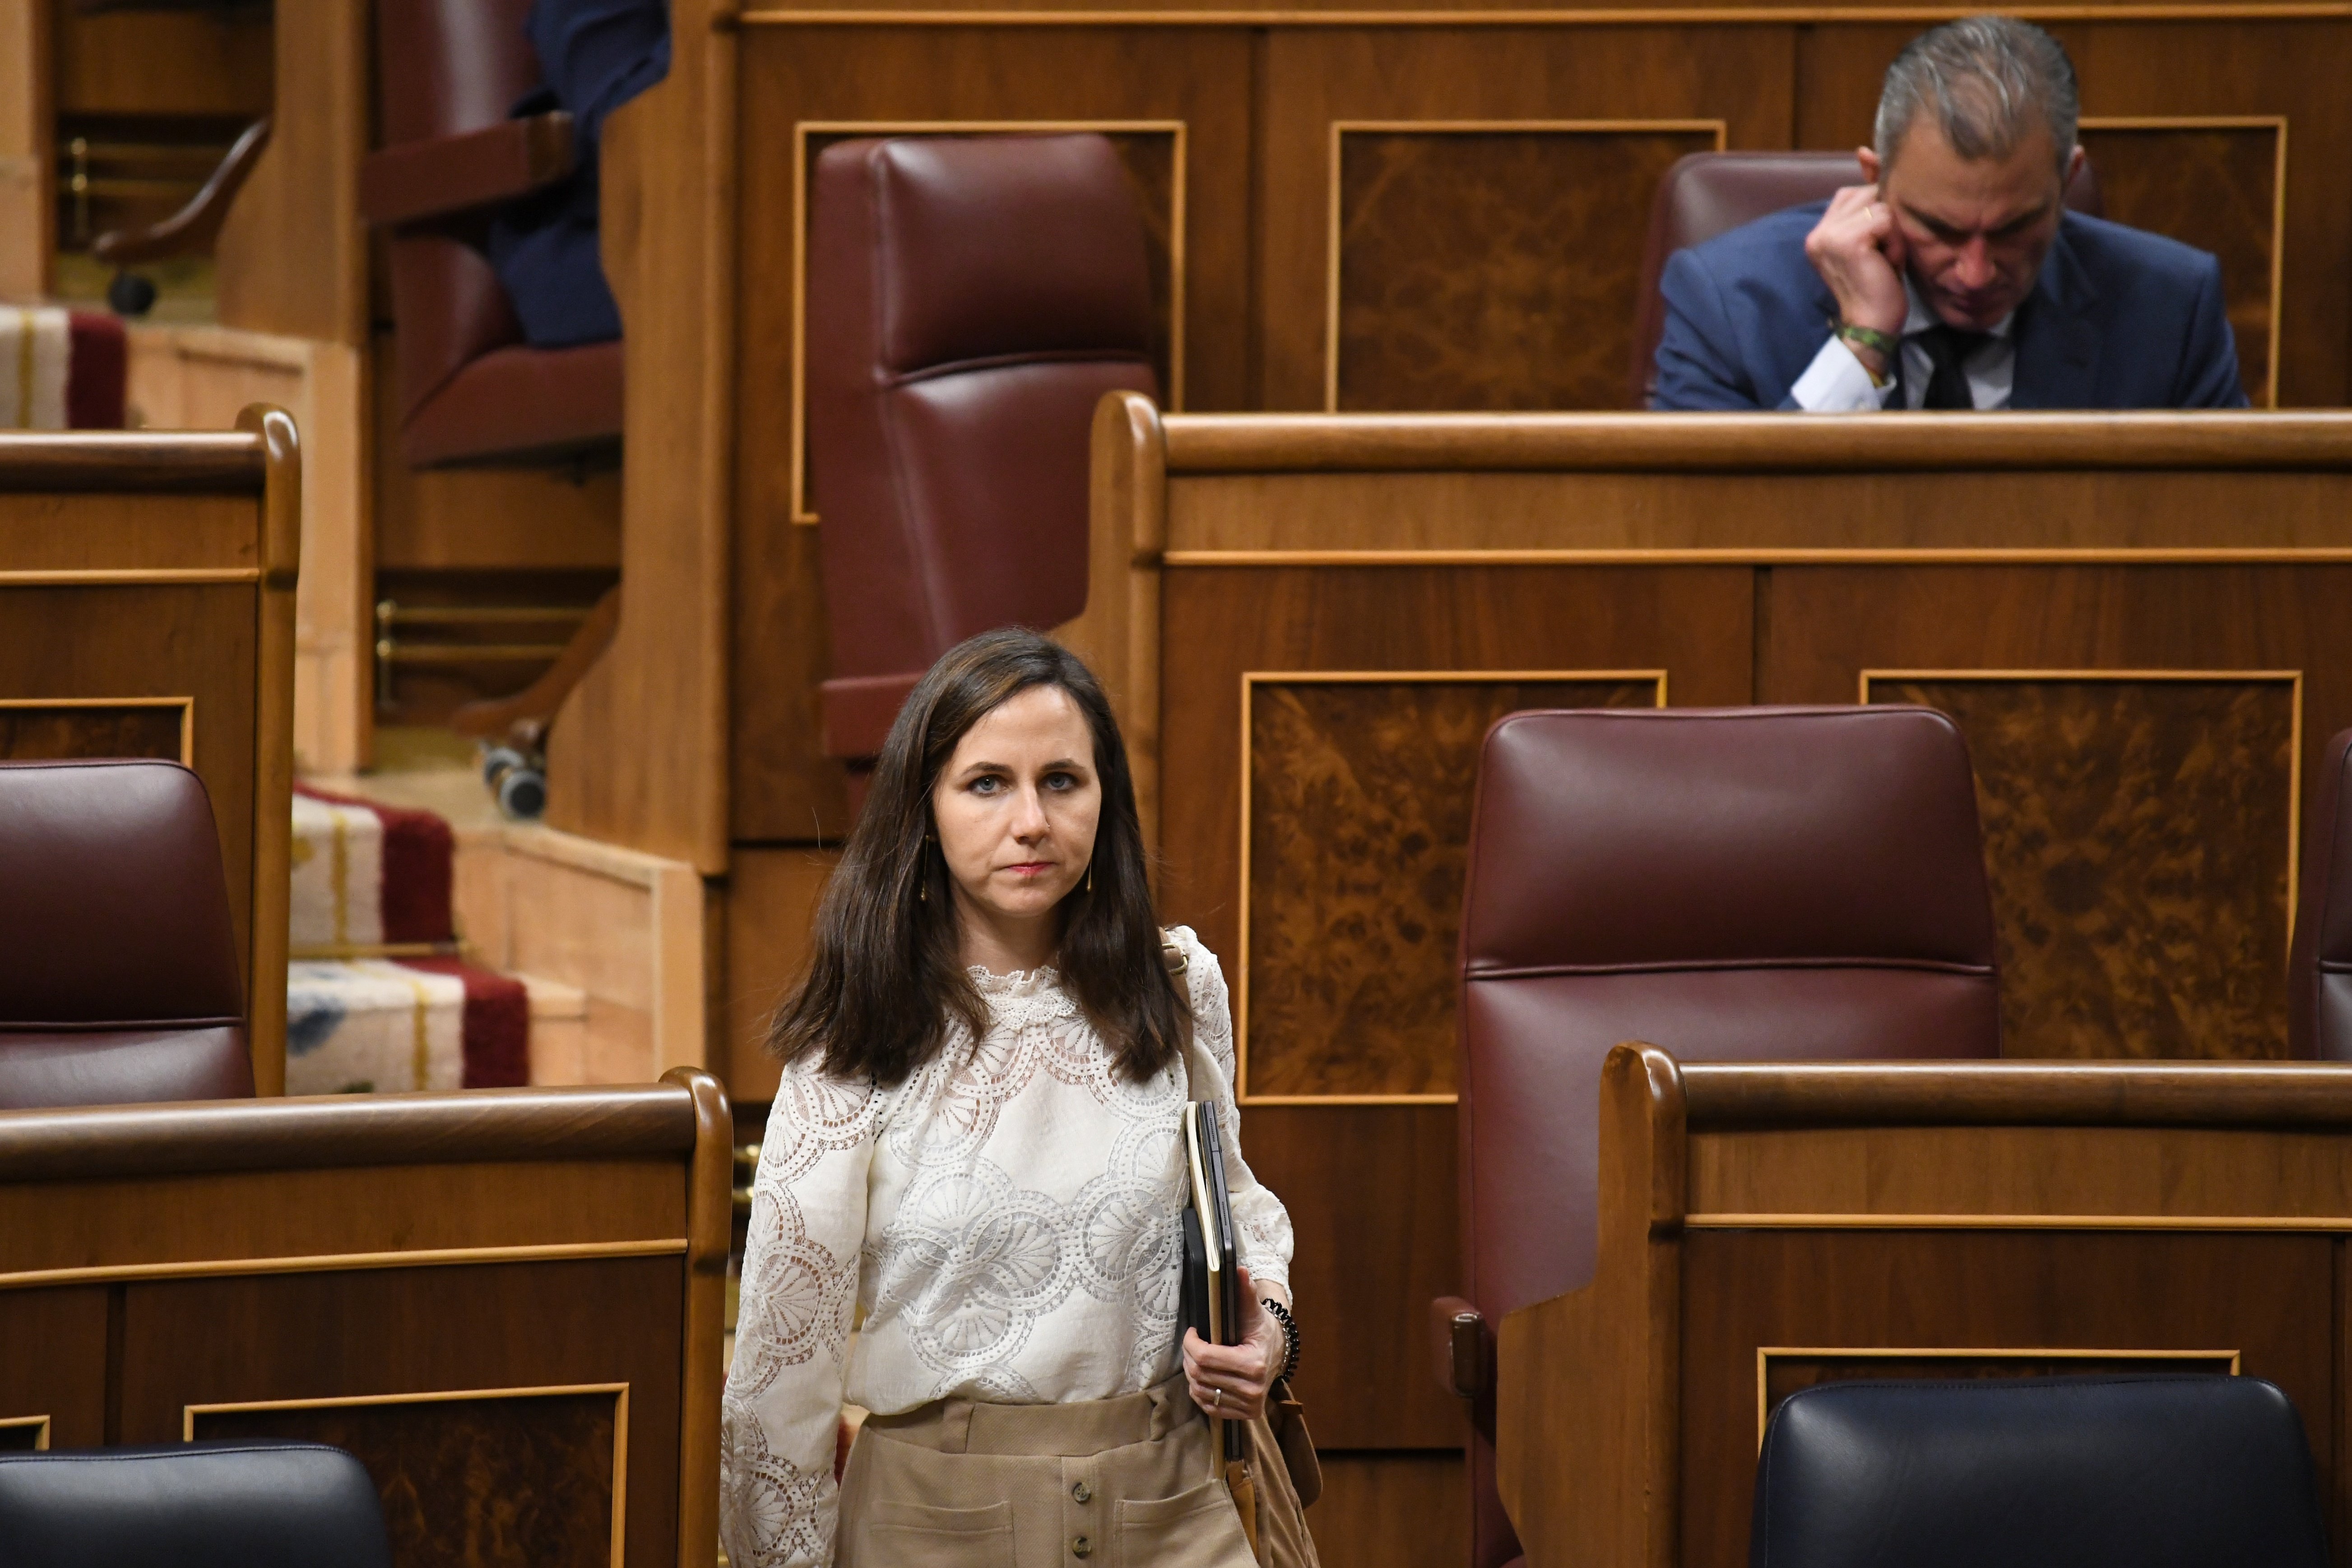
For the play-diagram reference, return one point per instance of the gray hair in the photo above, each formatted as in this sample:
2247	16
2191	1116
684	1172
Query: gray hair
1990	79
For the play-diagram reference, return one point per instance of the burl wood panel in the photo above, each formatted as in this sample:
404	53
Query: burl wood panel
1360	829
53	1364
2136	839
2215	187
35	733
465	1328
1494	269
1371	1194
2270	1297
526	1479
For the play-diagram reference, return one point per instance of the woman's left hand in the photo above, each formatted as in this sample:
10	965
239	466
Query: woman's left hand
1231	1380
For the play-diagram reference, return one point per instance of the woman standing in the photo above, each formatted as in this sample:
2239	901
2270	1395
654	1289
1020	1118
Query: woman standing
973	1160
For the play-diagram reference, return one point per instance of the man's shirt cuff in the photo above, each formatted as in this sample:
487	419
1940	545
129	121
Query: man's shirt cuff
1836	383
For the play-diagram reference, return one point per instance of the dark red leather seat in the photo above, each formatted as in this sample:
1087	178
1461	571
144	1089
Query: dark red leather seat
1708	194
970	299
470	389
118	959
1746	883
2319	970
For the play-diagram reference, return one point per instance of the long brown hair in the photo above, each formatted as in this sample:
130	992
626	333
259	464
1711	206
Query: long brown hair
885	976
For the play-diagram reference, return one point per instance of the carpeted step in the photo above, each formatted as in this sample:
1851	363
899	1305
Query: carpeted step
384	1025
367	878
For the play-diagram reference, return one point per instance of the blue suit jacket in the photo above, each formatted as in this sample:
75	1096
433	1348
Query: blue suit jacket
2119	319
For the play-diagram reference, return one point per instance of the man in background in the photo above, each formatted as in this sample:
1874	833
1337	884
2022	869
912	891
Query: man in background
1956	278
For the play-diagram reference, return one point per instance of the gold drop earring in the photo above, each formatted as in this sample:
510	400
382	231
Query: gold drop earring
1090	875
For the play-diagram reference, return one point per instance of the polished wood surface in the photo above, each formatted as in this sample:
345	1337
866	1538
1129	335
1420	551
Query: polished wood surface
525	1291
2160	583
1763	1226
639	753
163	567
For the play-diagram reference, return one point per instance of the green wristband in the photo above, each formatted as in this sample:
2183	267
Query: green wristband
1869	338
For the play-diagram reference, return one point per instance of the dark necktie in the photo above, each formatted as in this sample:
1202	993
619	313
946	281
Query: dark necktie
1947	349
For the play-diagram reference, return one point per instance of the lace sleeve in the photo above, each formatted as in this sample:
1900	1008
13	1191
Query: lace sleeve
782	1404
1258	1214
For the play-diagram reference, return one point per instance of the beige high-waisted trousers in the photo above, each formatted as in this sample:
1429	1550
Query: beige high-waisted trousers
1104	1483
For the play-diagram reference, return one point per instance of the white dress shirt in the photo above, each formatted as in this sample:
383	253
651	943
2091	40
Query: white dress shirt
1002	1225
1836	383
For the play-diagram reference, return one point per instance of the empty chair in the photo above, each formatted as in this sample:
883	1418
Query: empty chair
1708	194
970	299
2056	1472
118	959
470	388
2319	970
1730	884
190	1505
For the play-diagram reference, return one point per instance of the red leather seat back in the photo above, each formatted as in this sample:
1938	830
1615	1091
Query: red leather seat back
2319	971
1730	884
970	301
118	959
1708	194
445	66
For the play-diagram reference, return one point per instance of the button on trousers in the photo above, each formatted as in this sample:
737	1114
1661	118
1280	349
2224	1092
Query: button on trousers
1104	1483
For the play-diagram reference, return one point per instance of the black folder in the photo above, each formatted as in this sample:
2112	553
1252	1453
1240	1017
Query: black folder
1211	1299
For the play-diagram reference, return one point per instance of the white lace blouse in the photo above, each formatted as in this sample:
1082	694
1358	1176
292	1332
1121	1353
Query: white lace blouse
1001	1225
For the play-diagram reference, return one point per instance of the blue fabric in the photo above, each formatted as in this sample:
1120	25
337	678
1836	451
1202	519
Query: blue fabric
594	56
2119	319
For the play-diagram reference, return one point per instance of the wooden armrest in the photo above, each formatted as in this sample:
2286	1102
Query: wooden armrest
450	174
195	226
533	707
1462	1348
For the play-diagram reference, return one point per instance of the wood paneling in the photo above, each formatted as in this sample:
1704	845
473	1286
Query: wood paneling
2089	827
166	640
1371	1194
293	255
27	136
66	1381
1358	832
2220	187
193	1233
772	900
37	730
1391	1511
1693	622
213	62
1488	267
1315	78
2137	838
2268	1298
519	1477
782	790
639	753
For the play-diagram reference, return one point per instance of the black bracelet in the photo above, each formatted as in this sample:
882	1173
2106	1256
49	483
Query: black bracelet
1290	1334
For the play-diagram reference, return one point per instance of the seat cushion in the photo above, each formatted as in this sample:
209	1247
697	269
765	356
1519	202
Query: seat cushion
2062	1472
519	404
51	1070
202	1505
